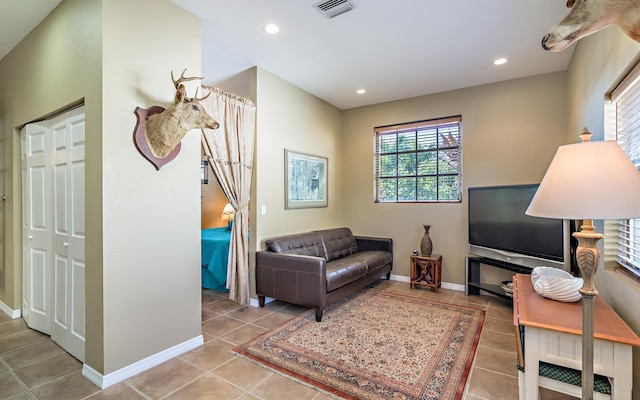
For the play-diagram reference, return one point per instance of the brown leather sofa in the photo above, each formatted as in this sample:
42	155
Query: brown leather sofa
317	268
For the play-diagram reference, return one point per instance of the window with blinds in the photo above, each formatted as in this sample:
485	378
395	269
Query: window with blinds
626	101
418	161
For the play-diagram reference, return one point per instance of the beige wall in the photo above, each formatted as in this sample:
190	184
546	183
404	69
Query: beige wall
56	65
143	225
600	61
290	118
510	132
151	219
532	124
213	201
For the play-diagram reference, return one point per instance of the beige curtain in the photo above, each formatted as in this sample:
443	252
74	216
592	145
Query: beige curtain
229	150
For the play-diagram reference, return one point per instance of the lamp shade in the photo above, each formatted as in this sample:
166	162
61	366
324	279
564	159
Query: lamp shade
590	180
228	212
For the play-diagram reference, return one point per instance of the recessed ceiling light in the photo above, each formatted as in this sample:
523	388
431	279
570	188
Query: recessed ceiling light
500	61
272	28
361	91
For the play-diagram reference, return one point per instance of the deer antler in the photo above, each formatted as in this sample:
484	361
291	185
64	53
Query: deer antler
163	131
201	98
183	79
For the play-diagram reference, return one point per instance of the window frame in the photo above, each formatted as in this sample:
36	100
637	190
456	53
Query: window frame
625	243
426	139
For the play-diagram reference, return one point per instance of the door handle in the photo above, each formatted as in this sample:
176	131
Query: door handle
30	237
65	244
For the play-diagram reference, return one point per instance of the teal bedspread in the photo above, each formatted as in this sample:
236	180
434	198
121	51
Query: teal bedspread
215	254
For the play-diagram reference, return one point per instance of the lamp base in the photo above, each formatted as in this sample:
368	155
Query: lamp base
588	258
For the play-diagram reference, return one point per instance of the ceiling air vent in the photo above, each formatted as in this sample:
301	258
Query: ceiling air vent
333	8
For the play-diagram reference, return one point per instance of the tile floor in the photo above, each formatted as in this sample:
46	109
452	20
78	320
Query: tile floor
33	367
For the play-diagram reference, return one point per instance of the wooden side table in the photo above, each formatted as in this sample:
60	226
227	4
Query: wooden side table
552	334
426	271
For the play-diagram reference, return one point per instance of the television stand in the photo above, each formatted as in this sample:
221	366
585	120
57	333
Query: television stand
474	286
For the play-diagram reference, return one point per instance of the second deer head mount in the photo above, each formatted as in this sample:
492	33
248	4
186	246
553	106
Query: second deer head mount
163	129
587	17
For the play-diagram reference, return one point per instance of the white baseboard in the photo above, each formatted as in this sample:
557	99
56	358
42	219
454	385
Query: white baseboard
452	286
104	381
443	285
254	302
13	314
399	278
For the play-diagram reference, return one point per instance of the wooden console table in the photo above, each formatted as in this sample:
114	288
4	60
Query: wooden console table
552	334
426	271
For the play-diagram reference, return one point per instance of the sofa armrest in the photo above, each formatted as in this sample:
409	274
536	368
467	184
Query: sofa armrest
366	243
292	278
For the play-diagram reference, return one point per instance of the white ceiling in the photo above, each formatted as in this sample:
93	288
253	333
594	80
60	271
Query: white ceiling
393	49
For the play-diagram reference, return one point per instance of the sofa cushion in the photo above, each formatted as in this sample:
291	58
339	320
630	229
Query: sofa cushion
306	244
338	242
343	271
373	259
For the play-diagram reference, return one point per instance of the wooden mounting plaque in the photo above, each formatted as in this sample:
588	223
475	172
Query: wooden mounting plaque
141	142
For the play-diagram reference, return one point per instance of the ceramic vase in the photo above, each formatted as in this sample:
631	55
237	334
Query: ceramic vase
426	246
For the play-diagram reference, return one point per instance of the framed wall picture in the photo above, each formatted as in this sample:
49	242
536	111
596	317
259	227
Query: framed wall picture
305	180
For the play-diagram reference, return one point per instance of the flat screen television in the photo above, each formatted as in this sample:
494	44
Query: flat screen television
500	229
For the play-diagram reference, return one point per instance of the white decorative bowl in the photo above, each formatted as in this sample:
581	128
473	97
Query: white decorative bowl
556	284
538	272
507	288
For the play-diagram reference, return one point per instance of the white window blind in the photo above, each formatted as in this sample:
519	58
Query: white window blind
626	98
418	161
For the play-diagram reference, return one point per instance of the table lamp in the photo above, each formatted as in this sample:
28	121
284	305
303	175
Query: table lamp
587	181
228	213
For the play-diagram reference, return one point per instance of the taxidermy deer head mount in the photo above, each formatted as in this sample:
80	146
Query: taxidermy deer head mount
589	16
164	131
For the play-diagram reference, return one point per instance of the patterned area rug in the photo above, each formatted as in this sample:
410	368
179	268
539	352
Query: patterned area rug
376	345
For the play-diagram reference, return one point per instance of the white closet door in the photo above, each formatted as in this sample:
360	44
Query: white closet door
69	235
62	196
37	231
